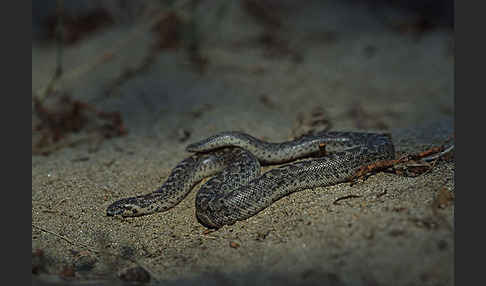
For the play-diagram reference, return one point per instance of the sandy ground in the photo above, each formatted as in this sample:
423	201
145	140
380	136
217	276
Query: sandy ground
341	58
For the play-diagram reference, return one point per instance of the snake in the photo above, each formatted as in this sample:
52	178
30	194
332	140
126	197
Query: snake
237	190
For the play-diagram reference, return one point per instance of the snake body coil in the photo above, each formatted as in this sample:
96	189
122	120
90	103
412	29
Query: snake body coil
237	191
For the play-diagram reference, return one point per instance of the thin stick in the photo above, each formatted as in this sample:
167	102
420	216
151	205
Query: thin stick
59	37
65	238
440	154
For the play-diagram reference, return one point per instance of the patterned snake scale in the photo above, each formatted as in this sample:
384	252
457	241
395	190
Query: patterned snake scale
238	191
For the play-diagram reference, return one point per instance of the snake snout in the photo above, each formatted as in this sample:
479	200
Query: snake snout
114	210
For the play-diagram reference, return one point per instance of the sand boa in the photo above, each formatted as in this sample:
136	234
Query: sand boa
238	191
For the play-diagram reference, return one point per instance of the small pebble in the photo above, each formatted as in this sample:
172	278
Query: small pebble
135	274
233	244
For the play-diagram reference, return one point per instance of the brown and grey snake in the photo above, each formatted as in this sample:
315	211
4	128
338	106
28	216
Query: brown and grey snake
238	191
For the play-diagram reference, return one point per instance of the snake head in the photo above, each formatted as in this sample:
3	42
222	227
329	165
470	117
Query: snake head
123	208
